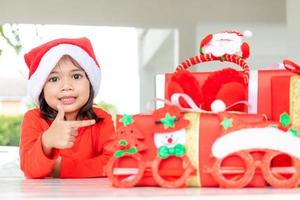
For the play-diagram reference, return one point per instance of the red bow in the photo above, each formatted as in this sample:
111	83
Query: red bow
290	65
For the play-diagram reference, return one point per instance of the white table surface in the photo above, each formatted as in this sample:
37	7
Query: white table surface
100	188
14	186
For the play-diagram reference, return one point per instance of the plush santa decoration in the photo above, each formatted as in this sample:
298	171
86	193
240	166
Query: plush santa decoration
227	42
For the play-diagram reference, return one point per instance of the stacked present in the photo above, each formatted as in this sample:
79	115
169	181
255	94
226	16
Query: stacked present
226	128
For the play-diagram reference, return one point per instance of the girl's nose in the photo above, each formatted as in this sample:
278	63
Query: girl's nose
66	85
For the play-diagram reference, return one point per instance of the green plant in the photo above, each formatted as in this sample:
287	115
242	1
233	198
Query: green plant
10	127
11	36
30	105
108	107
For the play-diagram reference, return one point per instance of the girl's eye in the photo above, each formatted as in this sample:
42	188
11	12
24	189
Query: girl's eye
77	76
53	79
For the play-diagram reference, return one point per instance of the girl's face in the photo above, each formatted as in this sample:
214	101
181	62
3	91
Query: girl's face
68	85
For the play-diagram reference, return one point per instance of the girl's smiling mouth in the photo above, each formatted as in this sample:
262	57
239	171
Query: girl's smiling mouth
67	100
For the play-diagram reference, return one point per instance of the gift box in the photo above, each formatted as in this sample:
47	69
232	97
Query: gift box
261	92
201	132
285	98
228	84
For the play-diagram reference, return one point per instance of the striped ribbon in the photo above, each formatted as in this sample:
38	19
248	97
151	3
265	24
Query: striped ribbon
295	102
192	147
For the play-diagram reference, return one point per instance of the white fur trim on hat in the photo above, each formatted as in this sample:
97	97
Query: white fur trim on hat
51	58
256	138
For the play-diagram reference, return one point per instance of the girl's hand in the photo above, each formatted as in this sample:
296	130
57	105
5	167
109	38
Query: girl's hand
61	134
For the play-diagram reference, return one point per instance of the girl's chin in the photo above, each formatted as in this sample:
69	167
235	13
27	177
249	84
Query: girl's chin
71	114
70	108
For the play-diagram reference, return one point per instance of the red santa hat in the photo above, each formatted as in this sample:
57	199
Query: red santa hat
226	85
42	59
169	119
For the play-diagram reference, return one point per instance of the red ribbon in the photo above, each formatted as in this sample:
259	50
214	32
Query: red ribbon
291	66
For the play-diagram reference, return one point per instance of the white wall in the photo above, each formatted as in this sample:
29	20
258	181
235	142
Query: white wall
274	23
140	13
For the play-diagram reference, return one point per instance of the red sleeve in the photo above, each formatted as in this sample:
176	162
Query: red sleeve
34	163
92	167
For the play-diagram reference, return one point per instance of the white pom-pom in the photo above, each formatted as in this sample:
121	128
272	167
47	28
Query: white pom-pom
281	66
218	106
247	34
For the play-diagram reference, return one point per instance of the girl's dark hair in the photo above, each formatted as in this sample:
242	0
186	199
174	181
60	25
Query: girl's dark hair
49	113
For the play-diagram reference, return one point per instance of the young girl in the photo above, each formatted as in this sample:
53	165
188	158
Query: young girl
64	137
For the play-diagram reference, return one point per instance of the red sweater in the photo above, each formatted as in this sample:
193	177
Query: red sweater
85	159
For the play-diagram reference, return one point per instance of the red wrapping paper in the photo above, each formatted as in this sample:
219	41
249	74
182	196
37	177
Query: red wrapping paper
209	130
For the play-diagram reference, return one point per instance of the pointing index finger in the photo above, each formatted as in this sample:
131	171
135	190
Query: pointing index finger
83	123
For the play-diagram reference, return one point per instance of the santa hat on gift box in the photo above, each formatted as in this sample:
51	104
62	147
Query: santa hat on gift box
169	119
185	82
227	42
42	59
224	90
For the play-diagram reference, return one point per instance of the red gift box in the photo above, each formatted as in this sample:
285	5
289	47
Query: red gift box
286	98
280	96
259	91
286	95
203	130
